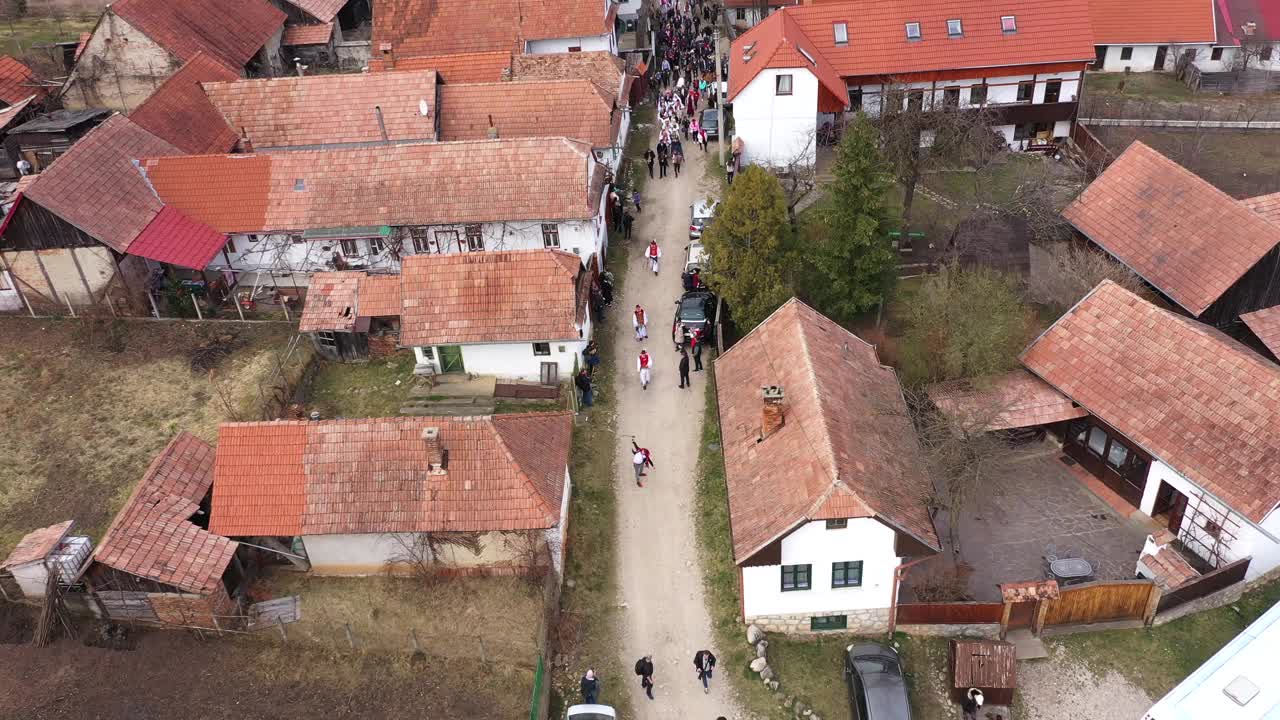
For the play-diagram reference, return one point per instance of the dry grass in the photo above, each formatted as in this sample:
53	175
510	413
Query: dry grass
83	422
377	388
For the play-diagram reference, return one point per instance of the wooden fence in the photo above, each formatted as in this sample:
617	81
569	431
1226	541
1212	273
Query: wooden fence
1097	156
1206	584
1103	601
953	613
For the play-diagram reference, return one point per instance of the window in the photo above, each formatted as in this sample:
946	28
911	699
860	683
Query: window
446	240
913	31
1126	53
421	242
1026	90
796	577
550	235
978	95
428	353
783	85
231	245
475	238
1117	454
295	239
376	246
855	98
1216	54
954	28
830	622
542	348
1021	132
350	248
742	14
1265	55
951	96
846	574
575	48
1097	440
1008	23
327	339
915	100
842	33
837	524
1052	91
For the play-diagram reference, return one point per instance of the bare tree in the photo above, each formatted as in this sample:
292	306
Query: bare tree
420	554
798	173
1073	269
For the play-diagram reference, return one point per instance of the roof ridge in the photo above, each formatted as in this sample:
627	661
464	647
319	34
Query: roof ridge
829	449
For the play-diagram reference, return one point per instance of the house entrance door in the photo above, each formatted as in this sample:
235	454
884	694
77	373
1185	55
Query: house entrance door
451	359
1160	55
1170	506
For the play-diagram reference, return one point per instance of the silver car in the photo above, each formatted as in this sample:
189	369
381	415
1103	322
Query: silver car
591	712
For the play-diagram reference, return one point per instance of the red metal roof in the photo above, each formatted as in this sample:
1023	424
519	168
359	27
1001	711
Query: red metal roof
17	81
231	31
180	113
1156	22
174	238
318	34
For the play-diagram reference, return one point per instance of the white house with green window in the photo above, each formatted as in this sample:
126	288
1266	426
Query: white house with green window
827	488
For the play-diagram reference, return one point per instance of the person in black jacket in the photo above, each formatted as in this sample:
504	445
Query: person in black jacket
644	668
705	662
583	381
590	688
649	157
684	369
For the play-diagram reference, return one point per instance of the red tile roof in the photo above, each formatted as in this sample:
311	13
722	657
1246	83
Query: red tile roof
231	31
1265	323
456	68
331	302
1231	16
1015	400
1178	232
180	113
576	109
505	472
439	27
779	43
1157	23
846	449
96	187
307	112
429	184
1268	206
599	66
152	536
512	296
1192	397
17	81
37	544
878	45
12	112
322	10
172	237
1171	570
378	296
1030	590
319	34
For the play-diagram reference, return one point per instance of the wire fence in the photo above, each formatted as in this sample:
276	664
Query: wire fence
1249	112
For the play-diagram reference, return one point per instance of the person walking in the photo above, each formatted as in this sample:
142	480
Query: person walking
590	688
635	196
640	322
649	157
705	662
702	139
696	342
676	160
653	252
644	364
641	458
663	159
728	170
644	668
591	356
684	369
627	219
583	381
617	211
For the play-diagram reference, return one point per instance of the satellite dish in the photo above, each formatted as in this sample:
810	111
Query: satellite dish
423	108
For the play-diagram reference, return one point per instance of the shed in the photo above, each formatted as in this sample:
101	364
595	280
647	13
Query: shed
46	550
44	139
988	665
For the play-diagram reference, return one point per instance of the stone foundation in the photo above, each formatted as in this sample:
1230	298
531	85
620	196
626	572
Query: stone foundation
866	621
990	631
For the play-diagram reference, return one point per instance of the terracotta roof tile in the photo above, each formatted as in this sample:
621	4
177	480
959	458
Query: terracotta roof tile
331	302
231	31
180	113
1030	590
96	187
151	537
1192	397
1015	400
322	10
176	239
37	544
1172	571
575	109
1184	236
306	112
846	448
317	34
512	296
477	67
17	81
371	476
439	27
779	42
1265	323
1268	206
378	296
599	66
425	184
1157	23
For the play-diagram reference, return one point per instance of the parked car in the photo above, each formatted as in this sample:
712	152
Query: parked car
694	256
695	310
700	213
711	123
590	712
876	688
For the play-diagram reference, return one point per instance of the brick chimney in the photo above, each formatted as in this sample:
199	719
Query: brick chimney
437	456
771	415
388	56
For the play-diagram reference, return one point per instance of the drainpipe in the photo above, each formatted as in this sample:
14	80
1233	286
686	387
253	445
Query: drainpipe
897	580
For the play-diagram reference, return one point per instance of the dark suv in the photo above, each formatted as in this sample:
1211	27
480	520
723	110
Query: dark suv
695	310
876	688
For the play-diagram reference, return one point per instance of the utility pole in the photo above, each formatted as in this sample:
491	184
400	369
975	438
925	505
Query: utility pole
715	88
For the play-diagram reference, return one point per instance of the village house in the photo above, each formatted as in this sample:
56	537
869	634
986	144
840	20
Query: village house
465	495
746	14
352	315
1139	38
465	67
286	215
804	67
137	44
826	479
180	113
314	28
1166	224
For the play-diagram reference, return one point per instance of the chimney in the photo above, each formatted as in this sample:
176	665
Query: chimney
246	145
388	56
771	415
437	457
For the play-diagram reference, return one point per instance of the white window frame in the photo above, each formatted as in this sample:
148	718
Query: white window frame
550	235
376	246
475	232
350	248
1008	23
445	240
955	28
913	31
778	83
841	31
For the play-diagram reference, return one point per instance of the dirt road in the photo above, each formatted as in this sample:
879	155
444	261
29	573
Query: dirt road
660	576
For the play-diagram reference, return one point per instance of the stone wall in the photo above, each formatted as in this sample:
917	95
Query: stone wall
384	345
866	621
990	631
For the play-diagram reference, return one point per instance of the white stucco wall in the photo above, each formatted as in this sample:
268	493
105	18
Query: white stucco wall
515	360
776	128
556	536
813	544
369	553
585	44
32	577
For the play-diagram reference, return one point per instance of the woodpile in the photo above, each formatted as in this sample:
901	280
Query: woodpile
53	613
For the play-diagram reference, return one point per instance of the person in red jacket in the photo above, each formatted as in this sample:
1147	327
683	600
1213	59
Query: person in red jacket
644	364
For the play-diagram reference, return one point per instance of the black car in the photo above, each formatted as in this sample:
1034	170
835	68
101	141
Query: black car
711	123
695	310
877	690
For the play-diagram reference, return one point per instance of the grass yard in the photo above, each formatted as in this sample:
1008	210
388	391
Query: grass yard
28	39
1160	86
377	388
87	404
1242	164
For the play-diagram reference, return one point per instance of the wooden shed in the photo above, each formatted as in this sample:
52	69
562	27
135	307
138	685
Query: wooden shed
989	665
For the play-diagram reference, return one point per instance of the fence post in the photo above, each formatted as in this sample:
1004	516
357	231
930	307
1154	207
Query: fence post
196	302
155	310
283	635
235	299
68	299
1153	602
351	640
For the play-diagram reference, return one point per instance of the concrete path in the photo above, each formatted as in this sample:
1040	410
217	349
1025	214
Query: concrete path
659	573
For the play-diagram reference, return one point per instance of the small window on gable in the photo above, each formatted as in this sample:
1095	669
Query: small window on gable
783	85
1008	23
913	31
837	524
807	56
954	28
842	33
299	185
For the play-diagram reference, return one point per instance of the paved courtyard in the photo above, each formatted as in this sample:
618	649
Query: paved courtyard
1035	506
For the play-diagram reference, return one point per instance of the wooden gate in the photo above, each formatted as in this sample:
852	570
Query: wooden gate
127	605
1103	601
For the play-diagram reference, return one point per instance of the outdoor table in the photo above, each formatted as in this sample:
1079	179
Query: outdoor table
1071	568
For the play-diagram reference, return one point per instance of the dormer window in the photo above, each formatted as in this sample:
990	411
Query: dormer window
808	57
954	28
842	33
913	31
1008	23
